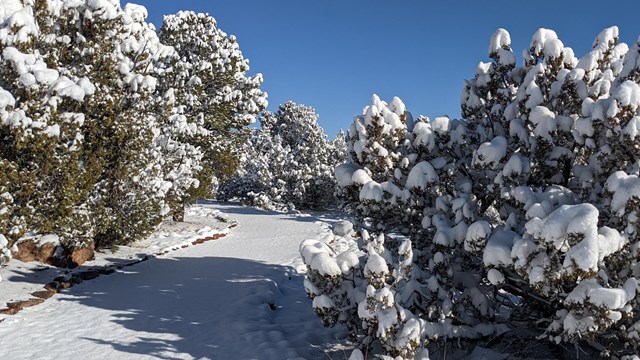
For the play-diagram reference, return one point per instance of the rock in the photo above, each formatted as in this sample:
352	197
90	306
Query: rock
15	306
44	294
106	271
65	284
202	240
89	275
52	286
32	250
8	311
80	255
343	228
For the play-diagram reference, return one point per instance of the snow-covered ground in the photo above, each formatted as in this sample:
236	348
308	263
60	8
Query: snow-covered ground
239	297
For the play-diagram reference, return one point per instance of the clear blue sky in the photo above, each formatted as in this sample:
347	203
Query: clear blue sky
333	54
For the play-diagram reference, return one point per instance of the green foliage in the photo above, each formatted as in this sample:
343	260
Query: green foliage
105	128
210	78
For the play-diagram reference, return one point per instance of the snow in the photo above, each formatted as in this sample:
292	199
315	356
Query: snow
421	175
534	93
21	62
239	297
344	173
423	133
65	87
623	187
490	153
498	249
545	122
495	277
441	124
347	261
613	299
322	301
376	265
360	177
605	38
506	57
628	94
325	265
6	99
632	130
477	234
545	39
609	241
52	131
499	39
105	9
567	219
342	228
371	191
138	13
516	165
356	354
14	15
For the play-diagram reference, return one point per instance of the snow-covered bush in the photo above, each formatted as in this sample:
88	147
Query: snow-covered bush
416	282
525	212
288	163
560	242
356	287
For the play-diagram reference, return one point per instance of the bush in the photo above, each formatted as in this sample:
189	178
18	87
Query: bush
523	213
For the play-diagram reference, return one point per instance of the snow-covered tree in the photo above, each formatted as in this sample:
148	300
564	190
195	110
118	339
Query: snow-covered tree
288	164
525	210
415	280
555	223
86	130
215	93
41	147
115	49
339	147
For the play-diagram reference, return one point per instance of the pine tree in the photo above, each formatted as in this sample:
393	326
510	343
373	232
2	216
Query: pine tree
571	129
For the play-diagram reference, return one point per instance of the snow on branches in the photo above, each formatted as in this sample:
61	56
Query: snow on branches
100	133
526	210
288	163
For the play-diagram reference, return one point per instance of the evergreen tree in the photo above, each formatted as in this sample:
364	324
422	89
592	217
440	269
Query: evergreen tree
570	131
82	112
41	137
288	163
210	82
525	210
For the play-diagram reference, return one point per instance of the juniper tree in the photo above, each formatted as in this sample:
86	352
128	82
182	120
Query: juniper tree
288	163
41	143
211	83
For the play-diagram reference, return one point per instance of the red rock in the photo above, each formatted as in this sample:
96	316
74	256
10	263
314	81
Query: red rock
80	255
30	250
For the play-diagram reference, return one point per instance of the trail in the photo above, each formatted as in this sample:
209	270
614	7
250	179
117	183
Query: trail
239	297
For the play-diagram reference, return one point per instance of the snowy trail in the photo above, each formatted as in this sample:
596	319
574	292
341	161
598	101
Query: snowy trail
236	298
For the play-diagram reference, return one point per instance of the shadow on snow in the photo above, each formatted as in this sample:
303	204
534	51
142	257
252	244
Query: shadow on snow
210	307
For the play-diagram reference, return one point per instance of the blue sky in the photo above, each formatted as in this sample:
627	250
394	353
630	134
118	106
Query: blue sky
333	54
